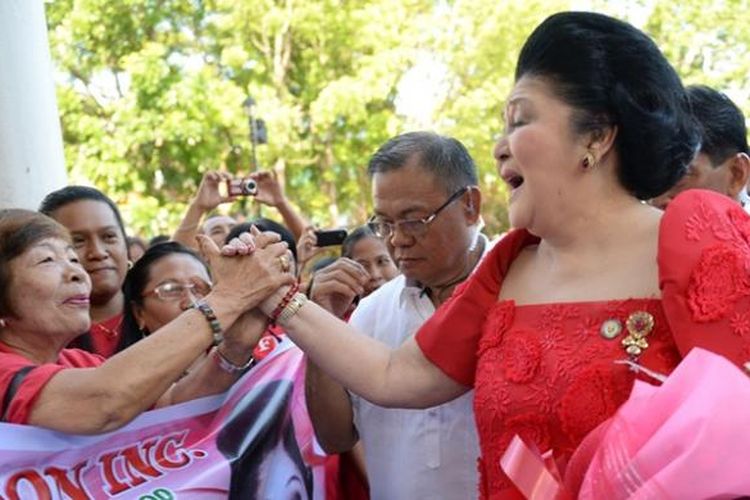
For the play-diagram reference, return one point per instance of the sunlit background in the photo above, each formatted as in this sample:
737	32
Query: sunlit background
151	93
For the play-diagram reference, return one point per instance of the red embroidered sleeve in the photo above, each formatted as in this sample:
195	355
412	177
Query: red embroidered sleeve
704	267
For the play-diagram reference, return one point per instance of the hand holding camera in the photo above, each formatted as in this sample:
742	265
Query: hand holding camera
245	186
209	195
269	190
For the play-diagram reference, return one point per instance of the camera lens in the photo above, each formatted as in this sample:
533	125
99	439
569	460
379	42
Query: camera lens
249	187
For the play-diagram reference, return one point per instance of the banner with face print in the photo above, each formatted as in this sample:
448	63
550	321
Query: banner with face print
255	441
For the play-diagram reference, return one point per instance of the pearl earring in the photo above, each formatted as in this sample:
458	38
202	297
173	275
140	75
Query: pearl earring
588	161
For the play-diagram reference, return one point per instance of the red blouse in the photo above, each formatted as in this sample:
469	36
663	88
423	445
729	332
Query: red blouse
547	371
105	336
29	389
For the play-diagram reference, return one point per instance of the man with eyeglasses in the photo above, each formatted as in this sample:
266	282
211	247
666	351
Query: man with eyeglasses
427	209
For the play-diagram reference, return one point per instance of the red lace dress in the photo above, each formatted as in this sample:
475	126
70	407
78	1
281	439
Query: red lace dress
547	371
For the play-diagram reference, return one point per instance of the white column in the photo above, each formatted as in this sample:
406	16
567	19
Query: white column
31	152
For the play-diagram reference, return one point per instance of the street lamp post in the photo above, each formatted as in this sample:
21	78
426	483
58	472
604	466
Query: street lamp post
258	132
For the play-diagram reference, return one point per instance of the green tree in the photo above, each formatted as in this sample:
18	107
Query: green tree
176	73
150	91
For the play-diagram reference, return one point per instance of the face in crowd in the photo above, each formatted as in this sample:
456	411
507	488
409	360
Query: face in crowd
44	287
540	154
166	281
371	253
218	227
703	174
723	164
100	243
433	253
575	140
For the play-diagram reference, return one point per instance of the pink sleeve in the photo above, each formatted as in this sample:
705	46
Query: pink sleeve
704	273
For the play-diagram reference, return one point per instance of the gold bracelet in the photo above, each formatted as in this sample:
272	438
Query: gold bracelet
292	308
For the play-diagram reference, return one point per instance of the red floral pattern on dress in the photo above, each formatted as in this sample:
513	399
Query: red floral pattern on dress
592	397
552	385
532	427
569	360
739	219
731	224
521	357
498	321
586	329
740	324
698	223
717	281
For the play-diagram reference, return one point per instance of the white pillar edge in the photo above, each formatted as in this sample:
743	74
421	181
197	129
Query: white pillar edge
32	162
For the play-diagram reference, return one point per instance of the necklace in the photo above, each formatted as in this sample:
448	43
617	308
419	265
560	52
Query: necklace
113	332
438	291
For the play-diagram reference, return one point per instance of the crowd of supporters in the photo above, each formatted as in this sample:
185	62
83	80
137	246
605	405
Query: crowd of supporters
430	345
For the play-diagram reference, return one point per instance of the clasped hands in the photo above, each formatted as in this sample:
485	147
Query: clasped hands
248	272
272	263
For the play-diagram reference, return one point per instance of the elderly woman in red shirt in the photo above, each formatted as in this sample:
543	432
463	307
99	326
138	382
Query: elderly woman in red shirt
44	304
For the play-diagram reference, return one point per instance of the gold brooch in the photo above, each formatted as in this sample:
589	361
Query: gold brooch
639	325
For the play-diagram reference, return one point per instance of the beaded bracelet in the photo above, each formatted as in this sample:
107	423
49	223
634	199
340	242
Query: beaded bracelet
284	302
213	322
227	366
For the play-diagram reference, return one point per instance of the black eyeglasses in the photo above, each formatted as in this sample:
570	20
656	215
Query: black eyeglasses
411	227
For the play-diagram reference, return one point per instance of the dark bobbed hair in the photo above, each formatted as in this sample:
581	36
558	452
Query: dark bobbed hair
135	283
355	236
445	157
19	231
721	123
70	194
265	225
158	240
612	74
259	422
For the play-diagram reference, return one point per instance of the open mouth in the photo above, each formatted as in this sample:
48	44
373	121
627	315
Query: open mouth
512	178
514	181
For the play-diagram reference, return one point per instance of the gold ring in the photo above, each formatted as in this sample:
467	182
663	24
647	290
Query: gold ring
284	261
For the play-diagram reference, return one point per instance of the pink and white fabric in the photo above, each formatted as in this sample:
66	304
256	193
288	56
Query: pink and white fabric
255	441
687	439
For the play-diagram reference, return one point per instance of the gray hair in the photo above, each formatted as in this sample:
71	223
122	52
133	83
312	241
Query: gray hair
445	157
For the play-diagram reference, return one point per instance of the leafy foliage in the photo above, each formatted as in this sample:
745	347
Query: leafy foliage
150	91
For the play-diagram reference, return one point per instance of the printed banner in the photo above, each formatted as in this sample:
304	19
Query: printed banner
255	441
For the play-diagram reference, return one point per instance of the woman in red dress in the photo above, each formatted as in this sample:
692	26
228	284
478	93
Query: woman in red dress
44	304
591	277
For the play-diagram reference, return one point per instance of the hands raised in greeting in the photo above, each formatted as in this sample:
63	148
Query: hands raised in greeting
248	269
